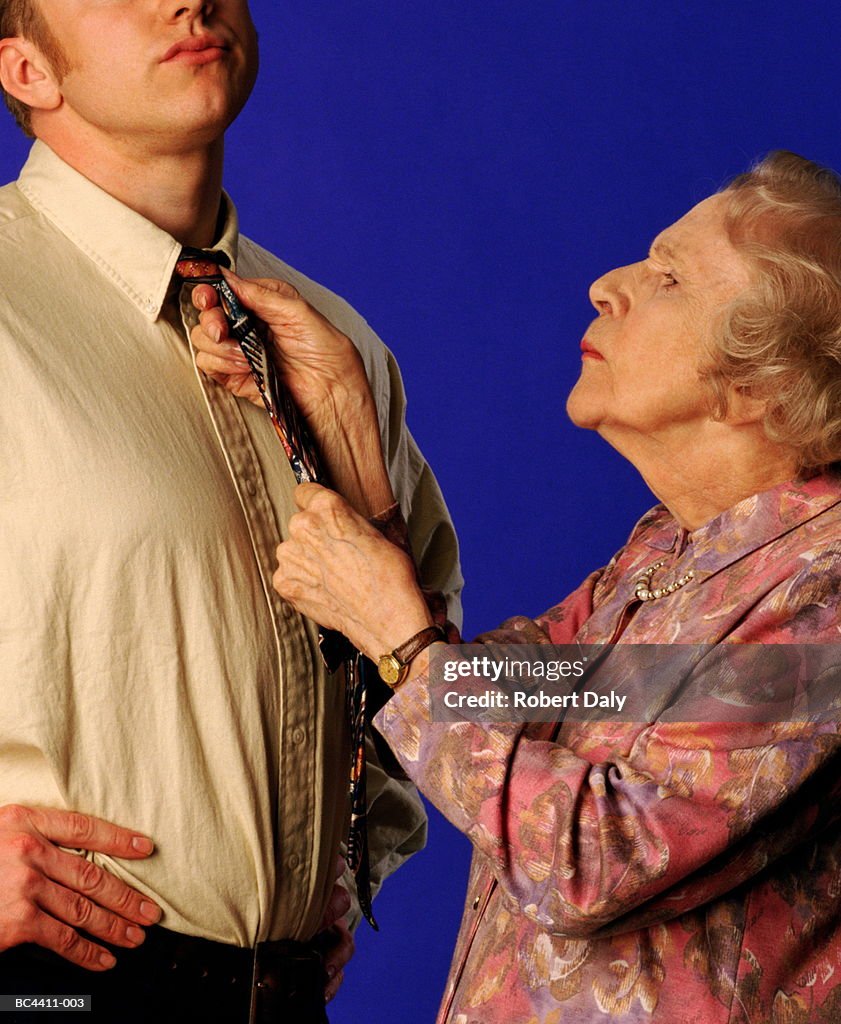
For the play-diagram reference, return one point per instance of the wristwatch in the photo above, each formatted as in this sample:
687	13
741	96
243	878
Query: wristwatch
394	667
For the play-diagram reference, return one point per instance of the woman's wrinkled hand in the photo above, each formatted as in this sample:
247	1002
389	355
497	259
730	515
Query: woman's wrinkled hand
341	572
320	365
217	354
322	371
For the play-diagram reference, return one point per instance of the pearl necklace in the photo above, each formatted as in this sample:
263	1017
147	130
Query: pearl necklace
643	591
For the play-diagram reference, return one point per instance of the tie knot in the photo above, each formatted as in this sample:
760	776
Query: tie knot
200	264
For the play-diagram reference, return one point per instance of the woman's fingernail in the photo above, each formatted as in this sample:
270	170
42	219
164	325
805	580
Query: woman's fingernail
331	971
135	935
107	960
142	845
215	332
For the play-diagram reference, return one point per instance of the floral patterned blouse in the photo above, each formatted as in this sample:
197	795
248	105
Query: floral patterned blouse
683	873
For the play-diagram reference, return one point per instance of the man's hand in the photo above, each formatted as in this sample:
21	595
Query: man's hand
319	366
47	894
342	573
338	939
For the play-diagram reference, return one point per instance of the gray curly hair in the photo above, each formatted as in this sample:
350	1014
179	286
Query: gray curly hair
780	340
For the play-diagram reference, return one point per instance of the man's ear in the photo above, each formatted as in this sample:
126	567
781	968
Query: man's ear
26	74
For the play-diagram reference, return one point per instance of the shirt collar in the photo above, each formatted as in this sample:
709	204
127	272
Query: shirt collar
746	526
136	255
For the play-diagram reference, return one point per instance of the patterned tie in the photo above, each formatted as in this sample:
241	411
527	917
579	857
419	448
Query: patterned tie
200	267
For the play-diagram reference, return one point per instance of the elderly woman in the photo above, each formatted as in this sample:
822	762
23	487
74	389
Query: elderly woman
665	871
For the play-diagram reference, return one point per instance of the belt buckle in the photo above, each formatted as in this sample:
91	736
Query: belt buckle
288	976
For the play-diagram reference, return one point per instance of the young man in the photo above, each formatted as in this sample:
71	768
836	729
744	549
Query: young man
164	712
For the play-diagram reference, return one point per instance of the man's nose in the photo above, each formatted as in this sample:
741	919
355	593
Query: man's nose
187	8
611	293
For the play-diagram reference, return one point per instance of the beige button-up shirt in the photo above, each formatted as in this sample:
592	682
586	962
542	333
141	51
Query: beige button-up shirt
150	674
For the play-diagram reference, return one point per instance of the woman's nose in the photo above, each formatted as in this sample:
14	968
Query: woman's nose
610	293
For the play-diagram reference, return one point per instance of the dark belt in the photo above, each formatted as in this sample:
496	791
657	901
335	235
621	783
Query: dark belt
175	978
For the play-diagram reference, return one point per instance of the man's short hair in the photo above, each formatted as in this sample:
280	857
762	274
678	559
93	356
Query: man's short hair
24	18
780	340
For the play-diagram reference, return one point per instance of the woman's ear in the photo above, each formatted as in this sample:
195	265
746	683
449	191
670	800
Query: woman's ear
743	406
26	74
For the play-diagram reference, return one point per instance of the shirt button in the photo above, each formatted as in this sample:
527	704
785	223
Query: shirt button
476	903
292	861
251	487
298	736
150	306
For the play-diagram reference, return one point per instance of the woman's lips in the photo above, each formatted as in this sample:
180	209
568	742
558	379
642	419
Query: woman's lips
588	352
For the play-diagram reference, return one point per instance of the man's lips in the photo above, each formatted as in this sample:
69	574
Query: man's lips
196	50
588	352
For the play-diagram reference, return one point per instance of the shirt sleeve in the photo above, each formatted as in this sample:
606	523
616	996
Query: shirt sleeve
432	537
678	814
396	816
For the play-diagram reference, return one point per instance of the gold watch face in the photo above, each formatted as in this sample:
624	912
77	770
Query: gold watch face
389	669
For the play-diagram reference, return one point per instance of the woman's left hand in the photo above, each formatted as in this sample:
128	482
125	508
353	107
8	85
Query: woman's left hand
341	572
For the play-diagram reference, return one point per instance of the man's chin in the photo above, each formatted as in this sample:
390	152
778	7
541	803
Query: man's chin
209	107
202	124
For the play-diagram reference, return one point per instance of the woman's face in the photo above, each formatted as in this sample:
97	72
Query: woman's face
642	355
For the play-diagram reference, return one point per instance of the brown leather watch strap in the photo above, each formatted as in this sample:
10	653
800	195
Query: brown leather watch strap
414	645
394	667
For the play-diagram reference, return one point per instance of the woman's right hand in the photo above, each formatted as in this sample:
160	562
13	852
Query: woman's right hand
320	365
322	370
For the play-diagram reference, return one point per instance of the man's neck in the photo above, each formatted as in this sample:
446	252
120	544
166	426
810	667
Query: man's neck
179	191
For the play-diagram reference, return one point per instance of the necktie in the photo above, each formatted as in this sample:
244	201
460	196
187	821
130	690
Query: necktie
199	267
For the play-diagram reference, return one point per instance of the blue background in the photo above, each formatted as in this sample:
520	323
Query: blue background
461	172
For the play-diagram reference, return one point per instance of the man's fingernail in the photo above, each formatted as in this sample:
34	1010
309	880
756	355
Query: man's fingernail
107	960
150	911
142	845
201	300
215	332
135	935
331	971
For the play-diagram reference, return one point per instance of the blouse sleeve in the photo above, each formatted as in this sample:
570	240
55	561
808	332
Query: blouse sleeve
678	814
